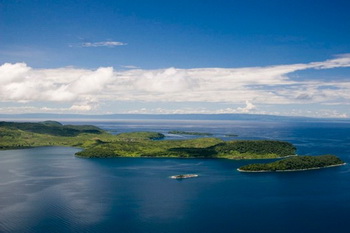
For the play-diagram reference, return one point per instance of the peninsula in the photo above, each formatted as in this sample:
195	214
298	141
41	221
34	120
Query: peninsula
295	163
97	143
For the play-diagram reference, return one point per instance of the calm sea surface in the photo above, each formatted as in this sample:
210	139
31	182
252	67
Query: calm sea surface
47	190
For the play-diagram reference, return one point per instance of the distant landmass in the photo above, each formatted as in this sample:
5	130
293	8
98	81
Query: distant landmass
222	117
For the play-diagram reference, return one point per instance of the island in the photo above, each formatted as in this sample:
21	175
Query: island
123	146
184	176
97	143
295	163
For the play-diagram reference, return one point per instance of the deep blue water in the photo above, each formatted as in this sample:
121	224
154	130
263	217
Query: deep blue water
49	190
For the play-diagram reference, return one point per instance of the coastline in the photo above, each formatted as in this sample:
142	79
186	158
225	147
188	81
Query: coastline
177	157
294	170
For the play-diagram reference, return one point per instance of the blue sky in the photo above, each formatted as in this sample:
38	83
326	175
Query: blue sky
125	56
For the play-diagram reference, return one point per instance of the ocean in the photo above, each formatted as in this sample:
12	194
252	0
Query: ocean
47	189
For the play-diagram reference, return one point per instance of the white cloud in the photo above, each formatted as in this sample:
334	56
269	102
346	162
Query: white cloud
81	107
85	89
248	108
23	84
11	73
31	109
92	82
342	60
103	44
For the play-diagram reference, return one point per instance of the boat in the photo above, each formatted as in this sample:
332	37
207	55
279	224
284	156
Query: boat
184	176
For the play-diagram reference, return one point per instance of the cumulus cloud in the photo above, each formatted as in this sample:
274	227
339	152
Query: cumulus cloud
103	44
23	84
12	73
81	107
248	108
163	81
84	89
92	82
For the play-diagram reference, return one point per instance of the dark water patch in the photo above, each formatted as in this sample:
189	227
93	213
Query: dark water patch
49	190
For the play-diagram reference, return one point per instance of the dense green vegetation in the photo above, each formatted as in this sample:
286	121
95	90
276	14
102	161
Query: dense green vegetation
295	163
189	133
100	144
241	148
150	148
192	148
97	143
52	128
137	136
14	135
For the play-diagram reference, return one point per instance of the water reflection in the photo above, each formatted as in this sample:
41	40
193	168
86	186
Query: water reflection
46	186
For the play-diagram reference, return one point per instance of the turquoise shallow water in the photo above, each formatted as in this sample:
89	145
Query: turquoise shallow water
49	190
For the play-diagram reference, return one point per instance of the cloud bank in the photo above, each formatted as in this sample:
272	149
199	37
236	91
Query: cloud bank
85	89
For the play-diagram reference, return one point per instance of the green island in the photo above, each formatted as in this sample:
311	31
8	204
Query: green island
295	163
97	143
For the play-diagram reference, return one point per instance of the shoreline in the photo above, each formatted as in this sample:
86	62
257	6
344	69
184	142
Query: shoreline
294	170
175	157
